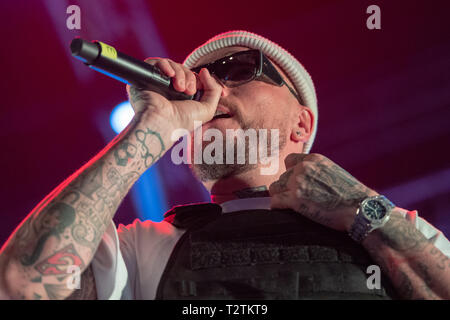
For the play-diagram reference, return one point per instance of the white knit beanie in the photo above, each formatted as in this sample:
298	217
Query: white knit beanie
294	70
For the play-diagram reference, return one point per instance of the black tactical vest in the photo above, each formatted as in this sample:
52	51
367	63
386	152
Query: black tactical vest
263	254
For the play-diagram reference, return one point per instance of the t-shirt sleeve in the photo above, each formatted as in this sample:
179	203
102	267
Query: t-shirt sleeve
108	265
116	262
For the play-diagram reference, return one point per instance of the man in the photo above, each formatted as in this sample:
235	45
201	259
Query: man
322	232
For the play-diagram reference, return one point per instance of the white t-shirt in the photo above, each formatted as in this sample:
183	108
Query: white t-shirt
129	262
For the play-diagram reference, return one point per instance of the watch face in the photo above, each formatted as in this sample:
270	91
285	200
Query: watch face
374	210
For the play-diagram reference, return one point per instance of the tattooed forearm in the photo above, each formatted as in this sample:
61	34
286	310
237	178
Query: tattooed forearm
144	138
56	291
402	236
442	261
51	224
58	263
414	265
124	153
322	191
405	287
91	180
87	234
423	271
66	228
88	289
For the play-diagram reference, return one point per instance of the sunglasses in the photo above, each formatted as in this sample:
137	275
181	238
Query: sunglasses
245	66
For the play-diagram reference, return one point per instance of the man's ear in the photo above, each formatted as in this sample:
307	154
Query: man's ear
302	129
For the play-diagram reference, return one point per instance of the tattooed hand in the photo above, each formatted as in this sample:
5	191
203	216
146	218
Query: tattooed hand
179	114
317	188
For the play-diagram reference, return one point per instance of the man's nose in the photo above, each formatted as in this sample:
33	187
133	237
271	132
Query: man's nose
225	91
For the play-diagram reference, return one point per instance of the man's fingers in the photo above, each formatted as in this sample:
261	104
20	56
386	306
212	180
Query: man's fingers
180	77
161	64
212	89
165	67
198	83
276	187
281	184
294	158
184	79
191	82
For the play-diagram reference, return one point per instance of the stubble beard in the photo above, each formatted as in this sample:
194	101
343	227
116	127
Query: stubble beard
213	172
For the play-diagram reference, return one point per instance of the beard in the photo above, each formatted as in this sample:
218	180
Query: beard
216	171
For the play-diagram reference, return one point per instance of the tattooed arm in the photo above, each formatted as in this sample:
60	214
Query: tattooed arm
322	191
88	289
66	227
415	266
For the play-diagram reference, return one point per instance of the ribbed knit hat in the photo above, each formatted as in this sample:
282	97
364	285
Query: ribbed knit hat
294	70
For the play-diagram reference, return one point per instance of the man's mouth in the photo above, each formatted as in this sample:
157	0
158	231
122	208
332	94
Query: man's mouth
222	113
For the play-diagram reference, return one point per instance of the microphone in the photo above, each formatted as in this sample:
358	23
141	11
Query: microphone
107	60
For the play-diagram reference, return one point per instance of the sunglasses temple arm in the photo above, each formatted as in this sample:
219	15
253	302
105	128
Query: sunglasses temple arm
294	93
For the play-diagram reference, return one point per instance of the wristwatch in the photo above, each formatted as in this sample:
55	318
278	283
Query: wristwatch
373	213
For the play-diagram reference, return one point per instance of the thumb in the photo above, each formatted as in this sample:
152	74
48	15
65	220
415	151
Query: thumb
212	90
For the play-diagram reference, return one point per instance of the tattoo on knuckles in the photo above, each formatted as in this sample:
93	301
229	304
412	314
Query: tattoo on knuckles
331	187
284	179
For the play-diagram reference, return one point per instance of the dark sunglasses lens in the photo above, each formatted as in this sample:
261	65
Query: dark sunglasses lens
236	69
234	73
239	68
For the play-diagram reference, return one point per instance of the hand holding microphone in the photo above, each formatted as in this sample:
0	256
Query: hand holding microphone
156	86
179	113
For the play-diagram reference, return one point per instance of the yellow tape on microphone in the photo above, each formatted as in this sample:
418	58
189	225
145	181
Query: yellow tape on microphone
108	51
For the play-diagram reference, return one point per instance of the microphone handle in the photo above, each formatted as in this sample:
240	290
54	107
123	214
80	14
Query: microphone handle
115	64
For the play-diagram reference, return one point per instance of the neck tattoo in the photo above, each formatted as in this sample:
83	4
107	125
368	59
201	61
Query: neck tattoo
253	192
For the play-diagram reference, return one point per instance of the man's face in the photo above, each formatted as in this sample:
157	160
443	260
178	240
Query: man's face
254	105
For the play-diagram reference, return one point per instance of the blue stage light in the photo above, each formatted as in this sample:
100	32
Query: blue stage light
121	116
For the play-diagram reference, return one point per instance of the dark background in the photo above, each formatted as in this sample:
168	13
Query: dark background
383	94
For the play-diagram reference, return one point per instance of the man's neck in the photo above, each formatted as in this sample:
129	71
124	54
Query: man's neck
247	185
